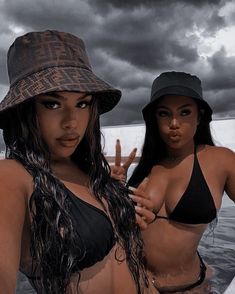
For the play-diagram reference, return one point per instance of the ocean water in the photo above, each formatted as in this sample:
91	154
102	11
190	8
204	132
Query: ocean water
217	248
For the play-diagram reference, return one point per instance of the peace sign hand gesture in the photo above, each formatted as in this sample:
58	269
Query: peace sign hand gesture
119	170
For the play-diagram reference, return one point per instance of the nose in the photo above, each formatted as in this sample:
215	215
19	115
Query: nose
174	123
69	120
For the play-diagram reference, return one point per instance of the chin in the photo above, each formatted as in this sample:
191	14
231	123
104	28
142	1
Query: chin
175	145
62	155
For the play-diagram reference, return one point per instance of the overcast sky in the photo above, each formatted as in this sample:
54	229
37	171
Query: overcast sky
131	42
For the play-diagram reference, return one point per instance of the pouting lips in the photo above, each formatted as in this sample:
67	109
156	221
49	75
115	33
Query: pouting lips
174	134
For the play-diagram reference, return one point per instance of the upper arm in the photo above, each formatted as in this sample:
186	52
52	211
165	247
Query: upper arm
13	205
229	162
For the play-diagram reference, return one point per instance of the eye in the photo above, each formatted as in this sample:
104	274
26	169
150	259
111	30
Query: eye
163	113
50	104
83	104
185	112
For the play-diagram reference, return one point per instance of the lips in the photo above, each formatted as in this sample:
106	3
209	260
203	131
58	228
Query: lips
174	136
68	140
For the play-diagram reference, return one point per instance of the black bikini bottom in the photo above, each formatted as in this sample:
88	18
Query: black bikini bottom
175	289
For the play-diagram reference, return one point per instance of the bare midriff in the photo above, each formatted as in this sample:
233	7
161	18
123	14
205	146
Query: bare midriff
107	276
171	252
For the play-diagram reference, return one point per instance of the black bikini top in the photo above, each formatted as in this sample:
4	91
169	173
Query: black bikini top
94	230
196	206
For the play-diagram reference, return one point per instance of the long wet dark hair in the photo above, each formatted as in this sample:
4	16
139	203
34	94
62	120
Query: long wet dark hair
154	149
54	248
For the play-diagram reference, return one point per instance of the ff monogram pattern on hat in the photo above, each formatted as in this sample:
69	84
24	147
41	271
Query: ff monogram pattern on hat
40	51
41	62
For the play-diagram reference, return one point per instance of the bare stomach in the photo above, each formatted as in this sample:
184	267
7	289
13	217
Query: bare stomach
171	254
107	276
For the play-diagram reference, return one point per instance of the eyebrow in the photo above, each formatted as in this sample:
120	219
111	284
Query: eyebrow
182	106
61	97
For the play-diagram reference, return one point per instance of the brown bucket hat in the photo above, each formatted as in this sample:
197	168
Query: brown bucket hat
41	62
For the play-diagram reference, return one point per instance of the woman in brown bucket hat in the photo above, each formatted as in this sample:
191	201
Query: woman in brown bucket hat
187	178
64	222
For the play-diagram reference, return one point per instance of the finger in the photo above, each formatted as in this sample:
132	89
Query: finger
116	170
142	186
142	201
130	159
118	153
146	214
137	192
117	177
142	223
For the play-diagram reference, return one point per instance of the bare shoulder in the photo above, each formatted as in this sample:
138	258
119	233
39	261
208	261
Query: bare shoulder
218	157
14	189
14	176
216	152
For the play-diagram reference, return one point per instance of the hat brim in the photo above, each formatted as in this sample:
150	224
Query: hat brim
62	79
178	91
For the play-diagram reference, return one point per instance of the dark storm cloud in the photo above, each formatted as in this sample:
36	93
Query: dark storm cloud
152	38
214	23
131	42
3	67
131	104
152	54
220	100
105	4
38	15
222	71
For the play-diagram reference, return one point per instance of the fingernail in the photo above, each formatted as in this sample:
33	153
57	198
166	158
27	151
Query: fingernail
132	188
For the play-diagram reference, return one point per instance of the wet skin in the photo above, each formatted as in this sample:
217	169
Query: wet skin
63	118
170	246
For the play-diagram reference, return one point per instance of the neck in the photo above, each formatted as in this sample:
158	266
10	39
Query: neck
61	165
68	171
179	154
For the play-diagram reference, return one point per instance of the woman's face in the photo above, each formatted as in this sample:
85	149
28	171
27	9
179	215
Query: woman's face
63	119
177	119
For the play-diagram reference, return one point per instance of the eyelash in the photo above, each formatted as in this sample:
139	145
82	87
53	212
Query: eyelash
185	112
87	103
49	104
162	113
165	113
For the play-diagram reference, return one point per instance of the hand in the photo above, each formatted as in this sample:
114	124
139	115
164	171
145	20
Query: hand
144	206
118	170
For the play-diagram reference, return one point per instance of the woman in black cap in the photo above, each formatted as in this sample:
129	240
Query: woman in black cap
187	178
64	222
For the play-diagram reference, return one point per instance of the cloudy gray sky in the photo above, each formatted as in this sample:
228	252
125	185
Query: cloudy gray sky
131	42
